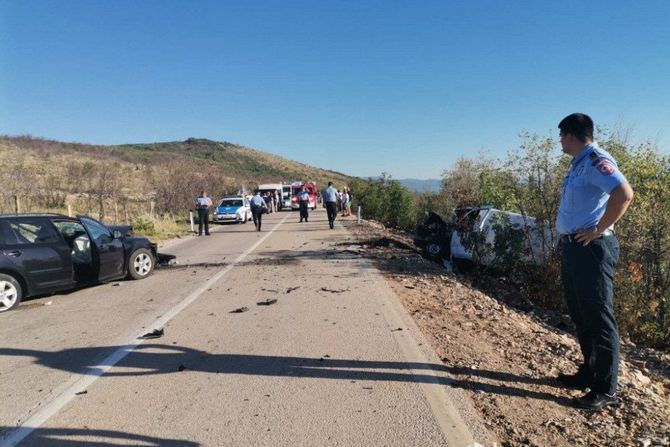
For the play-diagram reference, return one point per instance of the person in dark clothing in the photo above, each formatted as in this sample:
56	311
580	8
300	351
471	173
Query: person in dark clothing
331	199
303	197
202	204
595	196
257	207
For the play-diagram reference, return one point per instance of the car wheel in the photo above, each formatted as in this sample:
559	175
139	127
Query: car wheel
433	250
10	292
141	264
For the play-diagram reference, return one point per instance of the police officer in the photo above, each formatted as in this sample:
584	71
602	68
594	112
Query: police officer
595	196
303	198
202	204
331	198
257	206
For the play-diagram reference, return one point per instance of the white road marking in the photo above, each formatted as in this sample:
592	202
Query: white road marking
79	382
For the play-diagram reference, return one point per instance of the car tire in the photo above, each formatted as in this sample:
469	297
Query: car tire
10	292
140	264
433	250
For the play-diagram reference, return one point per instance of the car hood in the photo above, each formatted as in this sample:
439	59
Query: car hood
227	209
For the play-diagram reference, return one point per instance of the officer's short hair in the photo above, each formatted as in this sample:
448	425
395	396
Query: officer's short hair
330	183
578	124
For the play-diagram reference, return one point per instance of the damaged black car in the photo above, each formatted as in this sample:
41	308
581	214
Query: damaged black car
47	253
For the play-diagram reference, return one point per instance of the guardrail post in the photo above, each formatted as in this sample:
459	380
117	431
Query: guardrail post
190	216
359	214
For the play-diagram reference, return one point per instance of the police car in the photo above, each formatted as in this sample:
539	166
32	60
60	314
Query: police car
232	209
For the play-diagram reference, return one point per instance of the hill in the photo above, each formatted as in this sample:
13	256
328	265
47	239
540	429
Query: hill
139	178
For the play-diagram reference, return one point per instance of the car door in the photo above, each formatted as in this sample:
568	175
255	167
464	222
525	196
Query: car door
108	253
35	249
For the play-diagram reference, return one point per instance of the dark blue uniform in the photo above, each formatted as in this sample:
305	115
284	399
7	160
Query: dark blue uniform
587	271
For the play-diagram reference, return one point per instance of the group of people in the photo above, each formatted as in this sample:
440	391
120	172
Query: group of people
333	200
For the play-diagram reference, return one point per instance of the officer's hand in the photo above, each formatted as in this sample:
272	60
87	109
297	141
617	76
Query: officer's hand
585	237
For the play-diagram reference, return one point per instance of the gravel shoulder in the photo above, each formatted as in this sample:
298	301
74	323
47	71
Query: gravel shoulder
503	353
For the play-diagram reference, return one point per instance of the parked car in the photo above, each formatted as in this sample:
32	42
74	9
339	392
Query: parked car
232	209
445	240
47	253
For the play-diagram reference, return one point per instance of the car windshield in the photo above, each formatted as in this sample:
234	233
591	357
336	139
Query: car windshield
234	202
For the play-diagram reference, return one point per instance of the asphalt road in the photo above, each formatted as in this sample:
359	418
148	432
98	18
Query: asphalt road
335	361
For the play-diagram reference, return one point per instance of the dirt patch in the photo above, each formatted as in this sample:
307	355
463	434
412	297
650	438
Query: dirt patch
504	352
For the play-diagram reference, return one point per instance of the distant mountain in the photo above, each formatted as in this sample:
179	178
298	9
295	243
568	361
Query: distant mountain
416	185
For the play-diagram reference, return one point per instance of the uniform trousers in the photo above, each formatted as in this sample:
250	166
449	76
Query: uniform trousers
257	214
331	209
304	214
203	220
587	273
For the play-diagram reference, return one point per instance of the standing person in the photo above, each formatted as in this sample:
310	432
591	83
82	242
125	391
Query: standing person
344	198
330	198
303	198
595	196
257	205
202	204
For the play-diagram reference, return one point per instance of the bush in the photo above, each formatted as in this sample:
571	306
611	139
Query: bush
386	201
143	226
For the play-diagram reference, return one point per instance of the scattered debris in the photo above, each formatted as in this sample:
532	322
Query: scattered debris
239	310
117	284
396	330
79	393
181	368
326	289
267	302
291	289
156	333
48	303
270	290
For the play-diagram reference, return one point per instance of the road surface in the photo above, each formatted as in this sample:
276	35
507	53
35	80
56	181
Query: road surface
335	361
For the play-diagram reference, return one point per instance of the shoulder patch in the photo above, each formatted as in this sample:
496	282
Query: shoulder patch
605	167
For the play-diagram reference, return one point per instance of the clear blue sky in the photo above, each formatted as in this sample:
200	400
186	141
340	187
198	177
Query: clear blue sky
359	86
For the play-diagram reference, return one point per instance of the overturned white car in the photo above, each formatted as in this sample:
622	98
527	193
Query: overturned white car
486	236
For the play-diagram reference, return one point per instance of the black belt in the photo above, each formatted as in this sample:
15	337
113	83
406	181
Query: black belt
565	238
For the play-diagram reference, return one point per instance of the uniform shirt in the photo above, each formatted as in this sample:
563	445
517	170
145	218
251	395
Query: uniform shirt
303	196
203	202
330	194
592	177
257	200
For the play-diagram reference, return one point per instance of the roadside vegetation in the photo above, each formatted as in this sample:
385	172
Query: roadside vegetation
529	181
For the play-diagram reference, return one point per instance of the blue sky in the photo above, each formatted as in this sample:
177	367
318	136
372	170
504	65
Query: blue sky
361	87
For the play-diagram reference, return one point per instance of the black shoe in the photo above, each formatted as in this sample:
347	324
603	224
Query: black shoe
578	380
593	400
208	234
300	220
332	225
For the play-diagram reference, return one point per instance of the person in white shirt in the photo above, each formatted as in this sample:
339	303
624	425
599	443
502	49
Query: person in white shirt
202	204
